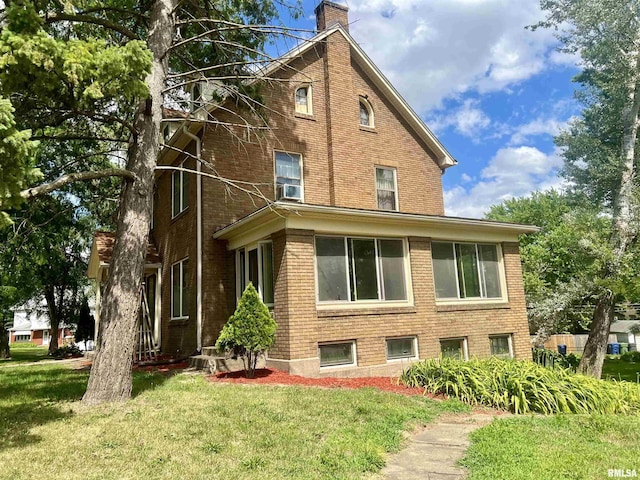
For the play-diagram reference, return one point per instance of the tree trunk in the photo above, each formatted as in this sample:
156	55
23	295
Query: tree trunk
596	346
5	351
110	379
54	318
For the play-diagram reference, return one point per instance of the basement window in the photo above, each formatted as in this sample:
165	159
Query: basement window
337	354
501	346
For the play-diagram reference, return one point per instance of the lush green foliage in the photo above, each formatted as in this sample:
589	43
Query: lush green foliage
250	331
561	262
551	359
26	353
556	447
184	426
16	161
523	387
630	357
618	369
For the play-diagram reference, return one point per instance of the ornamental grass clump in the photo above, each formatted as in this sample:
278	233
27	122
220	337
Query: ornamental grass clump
250	331
522	387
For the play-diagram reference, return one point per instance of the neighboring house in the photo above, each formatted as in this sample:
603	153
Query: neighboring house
356	258
622	330
31	325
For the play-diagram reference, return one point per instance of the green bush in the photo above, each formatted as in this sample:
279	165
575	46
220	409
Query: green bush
249	332
522	387
631	357
551	359
68	351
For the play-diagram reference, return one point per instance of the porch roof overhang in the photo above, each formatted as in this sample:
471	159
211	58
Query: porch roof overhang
102	251
351	221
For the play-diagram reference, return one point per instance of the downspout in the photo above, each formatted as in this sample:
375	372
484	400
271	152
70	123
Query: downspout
196	139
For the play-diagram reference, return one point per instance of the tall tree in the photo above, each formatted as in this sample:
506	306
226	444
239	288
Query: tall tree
560	261
600	147
102	70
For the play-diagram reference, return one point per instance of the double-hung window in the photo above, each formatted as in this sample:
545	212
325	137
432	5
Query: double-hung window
466	271
386	188
288	176
303	100
179	191
180	289
360	269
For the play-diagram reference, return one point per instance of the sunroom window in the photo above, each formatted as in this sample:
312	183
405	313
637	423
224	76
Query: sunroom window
466	270
360	269
255	265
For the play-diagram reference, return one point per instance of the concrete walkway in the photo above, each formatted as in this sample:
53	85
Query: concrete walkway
434	452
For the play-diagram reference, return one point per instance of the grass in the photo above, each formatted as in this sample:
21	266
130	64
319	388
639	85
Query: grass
186	427
554	447
617	369
25	353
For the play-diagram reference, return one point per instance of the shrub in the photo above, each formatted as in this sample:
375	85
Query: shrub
522	387
551	359
632	357
68	351
249	332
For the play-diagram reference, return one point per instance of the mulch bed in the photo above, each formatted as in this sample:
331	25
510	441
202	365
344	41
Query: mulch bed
268	376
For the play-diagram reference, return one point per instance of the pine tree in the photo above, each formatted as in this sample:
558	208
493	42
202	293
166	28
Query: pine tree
250	331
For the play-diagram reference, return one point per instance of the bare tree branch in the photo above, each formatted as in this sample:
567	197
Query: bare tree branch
75	177
66	17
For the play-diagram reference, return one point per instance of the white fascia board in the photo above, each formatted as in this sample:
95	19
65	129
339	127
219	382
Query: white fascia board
336	220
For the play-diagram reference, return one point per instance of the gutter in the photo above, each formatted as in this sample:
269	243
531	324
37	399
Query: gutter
196	139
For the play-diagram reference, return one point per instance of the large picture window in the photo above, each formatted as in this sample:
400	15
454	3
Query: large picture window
466	270
360	269
179	289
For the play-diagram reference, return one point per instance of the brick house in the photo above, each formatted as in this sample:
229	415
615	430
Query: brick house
31	325
355	256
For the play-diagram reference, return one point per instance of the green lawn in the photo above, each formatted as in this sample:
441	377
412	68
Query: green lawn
619	370
186	427
554	447
24	353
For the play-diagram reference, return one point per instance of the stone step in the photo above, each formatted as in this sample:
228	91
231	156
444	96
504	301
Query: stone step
215	364
211	351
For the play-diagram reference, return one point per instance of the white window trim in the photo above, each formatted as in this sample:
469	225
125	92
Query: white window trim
275	173
367	105
473	300
509	340
416	355
182	317
309	111
247	249
354	305
182	174
465	346
395	186
354	354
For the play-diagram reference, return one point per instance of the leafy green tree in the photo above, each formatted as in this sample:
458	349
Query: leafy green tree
600	147
102	71
250	331
561	260
43	254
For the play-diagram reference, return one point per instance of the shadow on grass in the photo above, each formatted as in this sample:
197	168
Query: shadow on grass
34	396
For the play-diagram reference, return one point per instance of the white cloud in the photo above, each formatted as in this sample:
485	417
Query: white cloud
539	126
468	120
435	49
512	172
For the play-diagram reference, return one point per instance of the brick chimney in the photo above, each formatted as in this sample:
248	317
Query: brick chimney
329	13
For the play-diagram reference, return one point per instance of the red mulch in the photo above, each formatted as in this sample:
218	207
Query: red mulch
161	368
268	376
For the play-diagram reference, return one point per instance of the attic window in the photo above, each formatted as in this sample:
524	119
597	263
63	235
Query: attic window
303	100
366	113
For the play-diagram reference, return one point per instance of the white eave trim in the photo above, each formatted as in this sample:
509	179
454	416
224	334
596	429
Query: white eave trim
324	219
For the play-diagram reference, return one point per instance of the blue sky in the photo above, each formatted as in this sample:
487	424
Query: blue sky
493	92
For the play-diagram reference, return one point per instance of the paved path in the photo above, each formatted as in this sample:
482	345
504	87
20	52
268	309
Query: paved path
433	453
